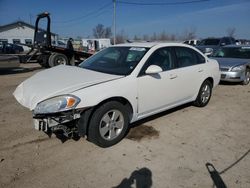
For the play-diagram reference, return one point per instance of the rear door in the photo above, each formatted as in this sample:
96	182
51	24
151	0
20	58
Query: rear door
191	71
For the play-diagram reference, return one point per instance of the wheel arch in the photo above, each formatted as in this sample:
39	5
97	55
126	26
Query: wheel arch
83	123
211	80
120	99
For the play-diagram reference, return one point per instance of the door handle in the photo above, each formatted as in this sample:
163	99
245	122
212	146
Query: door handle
173	76
200	70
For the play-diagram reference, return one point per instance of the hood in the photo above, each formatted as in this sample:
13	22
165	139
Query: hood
230	62
56	81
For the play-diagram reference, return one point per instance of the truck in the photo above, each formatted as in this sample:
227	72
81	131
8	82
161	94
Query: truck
48	55
94	45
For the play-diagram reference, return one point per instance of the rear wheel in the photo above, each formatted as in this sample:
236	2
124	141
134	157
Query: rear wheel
108	124
43	60
247	77
204	94
58	59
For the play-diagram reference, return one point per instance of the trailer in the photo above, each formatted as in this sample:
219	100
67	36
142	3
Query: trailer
48	55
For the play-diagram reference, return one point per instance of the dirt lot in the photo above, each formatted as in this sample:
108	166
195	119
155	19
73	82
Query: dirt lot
167	150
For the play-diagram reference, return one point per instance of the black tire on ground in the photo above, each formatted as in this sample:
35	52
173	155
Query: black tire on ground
204	94
50	62
247	77
108	124
58	59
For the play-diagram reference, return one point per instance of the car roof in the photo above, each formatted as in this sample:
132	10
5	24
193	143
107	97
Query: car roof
151	44
236	46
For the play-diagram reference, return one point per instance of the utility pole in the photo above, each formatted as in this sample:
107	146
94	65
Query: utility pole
114	21
30	18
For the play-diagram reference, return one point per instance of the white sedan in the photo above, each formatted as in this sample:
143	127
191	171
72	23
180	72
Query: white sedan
117	86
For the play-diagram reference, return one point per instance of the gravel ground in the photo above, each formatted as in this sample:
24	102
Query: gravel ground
166	150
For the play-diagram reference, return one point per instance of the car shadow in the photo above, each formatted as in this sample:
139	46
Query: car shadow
141	178
18	70
229	83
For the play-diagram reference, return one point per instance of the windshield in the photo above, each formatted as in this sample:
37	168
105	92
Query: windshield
115	60
234	52
210	42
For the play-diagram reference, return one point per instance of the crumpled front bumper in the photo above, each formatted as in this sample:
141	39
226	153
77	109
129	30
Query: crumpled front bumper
52	122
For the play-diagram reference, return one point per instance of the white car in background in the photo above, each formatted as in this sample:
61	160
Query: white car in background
117	86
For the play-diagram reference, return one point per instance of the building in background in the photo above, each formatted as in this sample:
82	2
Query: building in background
20	32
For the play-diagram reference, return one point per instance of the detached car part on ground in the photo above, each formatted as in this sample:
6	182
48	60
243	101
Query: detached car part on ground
116	87
234	62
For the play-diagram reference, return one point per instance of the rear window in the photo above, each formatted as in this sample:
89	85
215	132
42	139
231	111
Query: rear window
210	42
234	52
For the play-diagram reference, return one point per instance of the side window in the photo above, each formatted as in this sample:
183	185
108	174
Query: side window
16	41
162	57
201	59
188	57
227	41
29	41
4	41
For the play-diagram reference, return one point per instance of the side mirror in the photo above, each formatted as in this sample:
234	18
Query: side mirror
153	69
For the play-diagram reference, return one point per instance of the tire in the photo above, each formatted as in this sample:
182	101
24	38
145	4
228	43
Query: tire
247	77
50	60
204	94
104	129
43	61
58	59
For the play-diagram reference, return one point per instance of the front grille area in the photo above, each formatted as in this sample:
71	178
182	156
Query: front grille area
222	76
224	69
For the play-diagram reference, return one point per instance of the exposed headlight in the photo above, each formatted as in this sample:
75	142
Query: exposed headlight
238	68
57	104
208	50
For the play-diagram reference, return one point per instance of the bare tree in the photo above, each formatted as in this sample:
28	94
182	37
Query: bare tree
108	32
101	32
154	37
189	34
163	36
145	37
121	37
136	38
172	37
231	31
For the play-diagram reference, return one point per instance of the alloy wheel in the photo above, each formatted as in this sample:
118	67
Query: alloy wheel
111	124
205	95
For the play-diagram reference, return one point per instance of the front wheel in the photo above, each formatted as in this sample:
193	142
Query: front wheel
108	124
247	77
204	94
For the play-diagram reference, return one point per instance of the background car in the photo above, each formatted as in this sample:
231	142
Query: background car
234	62
117	86
193	42
209	46
8	48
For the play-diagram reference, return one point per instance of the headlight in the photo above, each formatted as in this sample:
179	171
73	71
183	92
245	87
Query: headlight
238	68
57	104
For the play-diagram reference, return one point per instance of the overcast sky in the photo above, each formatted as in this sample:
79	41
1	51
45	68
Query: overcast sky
78	17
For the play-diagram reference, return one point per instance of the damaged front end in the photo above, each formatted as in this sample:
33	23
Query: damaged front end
60	114
65	122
